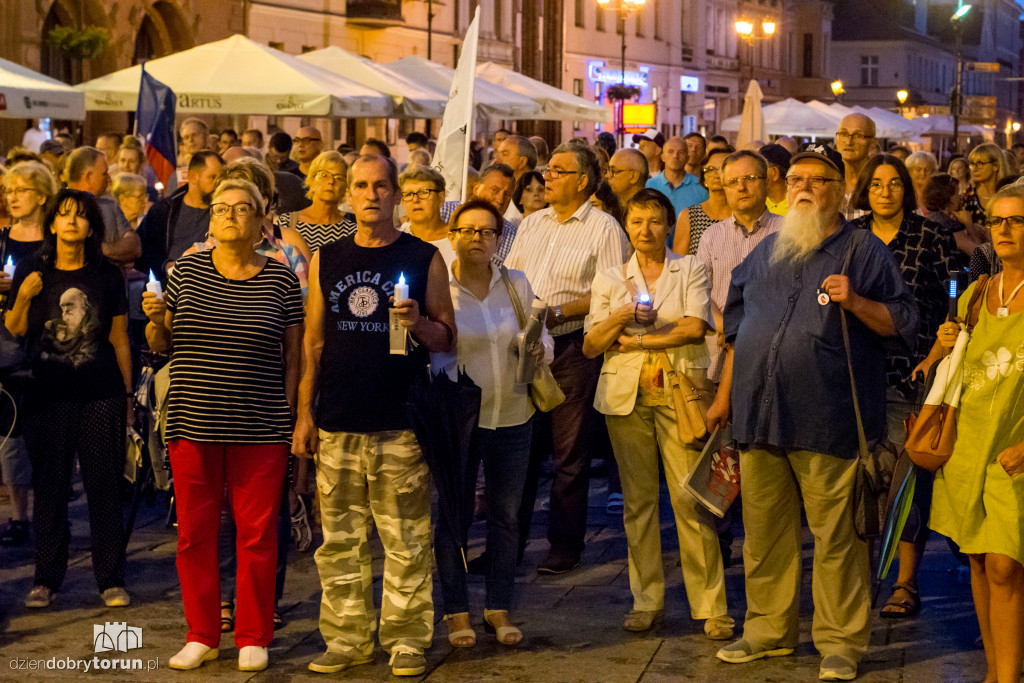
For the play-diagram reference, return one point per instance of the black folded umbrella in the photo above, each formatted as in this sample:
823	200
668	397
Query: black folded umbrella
443	414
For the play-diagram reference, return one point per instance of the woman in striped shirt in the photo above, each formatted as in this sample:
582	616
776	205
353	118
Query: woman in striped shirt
234	317
322	221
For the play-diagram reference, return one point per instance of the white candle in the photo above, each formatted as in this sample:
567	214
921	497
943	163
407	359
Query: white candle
401	289
9	267
154	285
645	298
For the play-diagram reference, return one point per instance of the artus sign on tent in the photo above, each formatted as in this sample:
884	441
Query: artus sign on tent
239	76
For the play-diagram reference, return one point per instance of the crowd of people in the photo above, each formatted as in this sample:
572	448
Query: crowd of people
272	276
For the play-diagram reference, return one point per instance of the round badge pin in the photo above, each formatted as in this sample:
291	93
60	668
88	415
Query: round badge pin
823	297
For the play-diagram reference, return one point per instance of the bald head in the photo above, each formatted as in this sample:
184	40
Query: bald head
675	155
233	153
854	139
308	144
627	173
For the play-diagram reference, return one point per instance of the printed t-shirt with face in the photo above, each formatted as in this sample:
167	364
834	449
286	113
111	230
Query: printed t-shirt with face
68	337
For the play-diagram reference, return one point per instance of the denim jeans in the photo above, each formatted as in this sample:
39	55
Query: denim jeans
505	453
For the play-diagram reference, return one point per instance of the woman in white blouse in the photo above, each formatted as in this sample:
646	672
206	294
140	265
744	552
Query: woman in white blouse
658	302
487	324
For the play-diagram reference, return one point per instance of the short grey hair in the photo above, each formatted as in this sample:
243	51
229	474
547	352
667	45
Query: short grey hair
1011	191
760	161
922	159
245	186
128	183
586	160
81	160
35	174
194	121
423	174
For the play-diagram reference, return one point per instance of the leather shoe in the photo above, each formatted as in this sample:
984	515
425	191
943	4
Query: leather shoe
557	563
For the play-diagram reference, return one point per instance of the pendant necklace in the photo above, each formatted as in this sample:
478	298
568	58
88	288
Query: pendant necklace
1003	310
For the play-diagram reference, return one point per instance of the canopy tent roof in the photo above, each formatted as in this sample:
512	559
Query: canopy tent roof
790	117
413	99
835	110
943	125
239	76
557	104
491	100
27	94
890	125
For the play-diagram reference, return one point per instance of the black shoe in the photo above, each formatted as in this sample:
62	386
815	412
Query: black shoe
15	534
478	566
556	563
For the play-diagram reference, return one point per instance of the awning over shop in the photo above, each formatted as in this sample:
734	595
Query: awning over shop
240	76
412	98
27	94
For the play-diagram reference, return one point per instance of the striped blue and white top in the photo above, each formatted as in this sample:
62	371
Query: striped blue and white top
227	371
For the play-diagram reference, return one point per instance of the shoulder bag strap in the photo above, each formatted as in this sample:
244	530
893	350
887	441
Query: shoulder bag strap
977	301
293	220
512	294
862	442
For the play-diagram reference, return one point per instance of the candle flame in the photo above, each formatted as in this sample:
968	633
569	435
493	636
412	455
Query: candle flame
645	298
401	278
10	261
152	278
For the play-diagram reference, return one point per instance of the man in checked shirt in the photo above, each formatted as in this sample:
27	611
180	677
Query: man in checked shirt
561	249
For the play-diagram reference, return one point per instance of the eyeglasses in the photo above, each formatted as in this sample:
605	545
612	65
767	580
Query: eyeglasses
302	141
422	195
745	179
894	186
612	171
468	233
556	173
1016	222
324	175
975	164
17	191
241	209
854	137
815	181
711	169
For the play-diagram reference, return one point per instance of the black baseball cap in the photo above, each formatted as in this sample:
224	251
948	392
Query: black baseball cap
822	153
776	155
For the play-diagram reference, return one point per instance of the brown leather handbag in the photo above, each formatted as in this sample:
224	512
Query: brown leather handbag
932	432
690	401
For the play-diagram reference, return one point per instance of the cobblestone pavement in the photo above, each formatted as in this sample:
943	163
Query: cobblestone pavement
572	623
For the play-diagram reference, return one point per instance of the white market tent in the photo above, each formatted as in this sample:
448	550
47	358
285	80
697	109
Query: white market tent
239	76
557	104
413	99
26	94
835	110
943	125
790	117
491	100
888	124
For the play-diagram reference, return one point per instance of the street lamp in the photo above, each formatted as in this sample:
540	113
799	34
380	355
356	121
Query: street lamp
745	30
901	97
624	8
837	88
956	102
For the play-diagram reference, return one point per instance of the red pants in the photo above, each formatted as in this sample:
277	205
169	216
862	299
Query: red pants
254	475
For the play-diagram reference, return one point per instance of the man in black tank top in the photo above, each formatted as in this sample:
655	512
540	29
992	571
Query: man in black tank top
368	460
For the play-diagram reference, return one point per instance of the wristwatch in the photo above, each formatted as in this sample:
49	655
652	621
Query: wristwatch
559	316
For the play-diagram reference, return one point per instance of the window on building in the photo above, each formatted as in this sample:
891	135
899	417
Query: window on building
620	25
869	70
808	69
276	45
499	19
658	34
581	13
639	19
577	87
600	18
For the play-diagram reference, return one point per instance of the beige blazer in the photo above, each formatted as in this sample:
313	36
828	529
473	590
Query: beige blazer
682	290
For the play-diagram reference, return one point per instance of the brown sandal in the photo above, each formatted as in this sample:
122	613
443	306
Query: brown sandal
902	608
227	623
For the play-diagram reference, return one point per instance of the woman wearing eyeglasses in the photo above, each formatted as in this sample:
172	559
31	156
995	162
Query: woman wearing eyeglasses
979	491
692	222
926	254
422	196
488	327
233	321
987	166
322	221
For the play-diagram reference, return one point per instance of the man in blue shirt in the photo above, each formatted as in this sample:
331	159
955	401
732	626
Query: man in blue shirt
787	385
682	189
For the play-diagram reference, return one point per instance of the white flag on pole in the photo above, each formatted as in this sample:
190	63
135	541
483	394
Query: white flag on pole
451	158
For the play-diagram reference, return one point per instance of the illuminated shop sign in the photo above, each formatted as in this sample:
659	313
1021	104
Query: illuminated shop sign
689	84
598	73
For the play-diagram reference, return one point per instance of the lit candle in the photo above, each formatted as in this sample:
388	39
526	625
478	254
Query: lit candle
9	267
645	298
401	289
154	285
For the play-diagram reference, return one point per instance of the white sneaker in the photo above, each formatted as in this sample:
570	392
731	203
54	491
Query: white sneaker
252	658
192	656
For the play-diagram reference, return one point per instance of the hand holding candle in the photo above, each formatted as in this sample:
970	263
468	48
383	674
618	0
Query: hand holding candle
9	267
5	281
399	318
154	285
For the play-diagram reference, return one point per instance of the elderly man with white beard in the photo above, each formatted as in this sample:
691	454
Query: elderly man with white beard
786	385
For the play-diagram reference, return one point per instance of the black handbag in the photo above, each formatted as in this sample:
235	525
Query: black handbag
875	466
